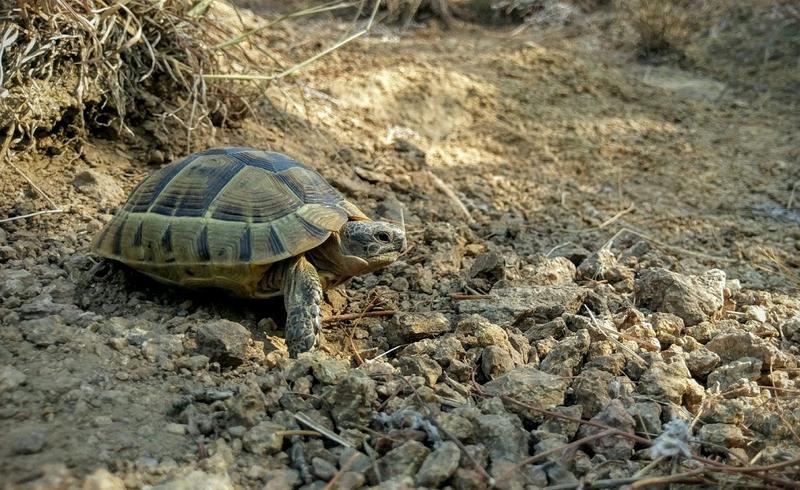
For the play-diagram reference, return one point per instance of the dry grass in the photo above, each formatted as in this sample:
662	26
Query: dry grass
104	61
661	25
100	66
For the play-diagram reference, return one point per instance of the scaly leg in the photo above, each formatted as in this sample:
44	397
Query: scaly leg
302	294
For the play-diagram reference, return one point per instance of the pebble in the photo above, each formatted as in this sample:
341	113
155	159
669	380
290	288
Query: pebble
10	378
28	440
614	448
403	460
101	479
223	341
439	465
692	298
264	439
531	386
322	468
411	327
173	428
198	480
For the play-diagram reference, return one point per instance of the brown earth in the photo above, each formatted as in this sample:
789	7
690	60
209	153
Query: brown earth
553	142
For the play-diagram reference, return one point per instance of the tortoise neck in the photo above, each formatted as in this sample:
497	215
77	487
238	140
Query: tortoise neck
330	258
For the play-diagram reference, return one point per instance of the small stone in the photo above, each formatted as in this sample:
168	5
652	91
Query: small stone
351	401
264	439
192	363
530	386
411	327
322	468
701	362
503	435
420	366
597	266
724	435
49	330
647	416
439	465
755	313
282	479
349	480
666	382
731	346
15	282
197	480
693	298
614	448
591	390
555	328
703	332
173	428
399	284
668	327
354	460
496	361
746	368
468	479
223	341
28	440
403	460
10	378
562	427
101	479
567	355
487	269
162	347
791	329
156	157
507	304
103	421
237	430
545	270
327	370
99	186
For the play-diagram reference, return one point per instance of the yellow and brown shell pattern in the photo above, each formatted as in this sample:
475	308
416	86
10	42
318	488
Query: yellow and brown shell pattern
221	217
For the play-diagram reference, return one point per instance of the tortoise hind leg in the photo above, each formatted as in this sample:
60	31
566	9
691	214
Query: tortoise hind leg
302	293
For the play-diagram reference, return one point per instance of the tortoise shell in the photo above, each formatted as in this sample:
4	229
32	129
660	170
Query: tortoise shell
222	216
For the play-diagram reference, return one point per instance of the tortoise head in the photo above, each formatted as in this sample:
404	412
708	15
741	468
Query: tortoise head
377	243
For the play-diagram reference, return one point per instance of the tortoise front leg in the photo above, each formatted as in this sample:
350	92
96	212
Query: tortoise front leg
302	294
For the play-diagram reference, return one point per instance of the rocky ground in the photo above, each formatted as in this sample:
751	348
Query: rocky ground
592	239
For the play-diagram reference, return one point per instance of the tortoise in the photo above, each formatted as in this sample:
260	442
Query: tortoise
256	223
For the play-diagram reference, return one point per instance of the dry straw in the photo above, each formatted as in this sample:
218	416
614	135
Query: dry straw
96	64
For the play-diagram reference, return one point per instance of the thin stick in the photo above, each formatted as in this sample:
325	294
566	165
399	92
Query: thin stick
616	217
489	479
469	297
607	333
357	316
635	482
30	215
302	64
448	191
667	246
345	467
305	419
556	248
544	454
300	13
385	353
298	432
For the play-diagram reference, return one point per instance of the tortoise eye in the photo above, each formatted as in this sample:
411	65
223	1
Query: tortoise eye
383	237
